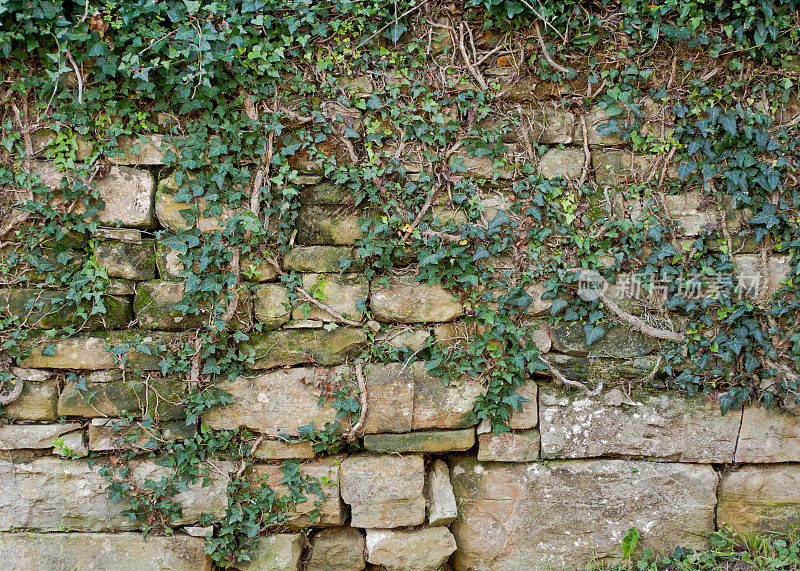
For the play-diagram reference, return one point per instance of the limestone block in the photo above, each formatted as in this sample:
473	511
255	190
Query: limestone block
566	163
129	235
620	167
542	516
328	226
37	401
329	512
751	274
271	305
140	150
279	450
112	434
275	552
383	491
290	347
543	125
337	549
618	342
768	436
169	212
408	301
344	294
591	369
598	130
390	398
482	167
661	426
127	260
327	193
421	549
403	337
428	441
528	416
50	494
439	498
33	436
48	309
128	195
274	403
440	405
694	211
760	498
118	551
515	446
317	259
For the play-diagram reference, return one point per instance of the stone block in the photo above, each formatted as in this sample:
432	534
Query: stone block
621	167
591	370
127	260
562	163
659	426
440	405
618	342
528	416
390	398
171	214
439	497
760	498
112	434
515	446
315	259
383	491
37	401
427	441
327	193
694	211
290	347
599	131
768	436
274	403
482	167
49	309
555	515
327	226
409	301
344	294
34	436
767	280
337	549
422	549
118	551
542	125
271	305
140	150
280	450
275	552
402	337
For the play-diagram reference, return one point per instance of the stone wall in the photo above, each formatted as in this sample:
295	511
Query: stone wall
432	487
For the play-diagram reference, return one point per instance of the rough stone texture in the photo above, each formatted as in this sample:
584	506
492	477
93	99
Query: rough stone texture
516	446
118	551
342	293
618	342
664	426
593	369
439	497
271	305
597	129
47	309
169	214
338	549
421	549
543	516
112	434
275	552
298	346
409	301
321	259
37	401
89	352
383	491
768	436
274	403
327	193
35	436
390	398
327	226
544	125
255	268
326	473
751	273
760	498
694	211
112	396
278	450
140	150
528	417
429	441
126	260
567	163
437	405
481	167
49	494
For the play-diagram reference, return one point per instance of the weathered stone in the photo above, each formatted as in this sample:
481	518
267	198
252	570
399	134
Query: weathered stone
178	430
390	398
566	163
555	515
337	549
595	369
298	346
42	138
279	450
129	235
344	294
694	211
383	491
127	260
254	268
421	549
409	301
649	426
327	226
429	441
113	398
121	287
403	337
274	403
618	342
768	436
33	375
322	259
515	446
197	531
71	445
112	434
620	167
49	309
327	193
544	125
760	498
440	405
752	275
140	150
118	551
439	497
528	417
271	305
599	130
275	552
37	401
171	213
329	512
34	436
480	167
50	494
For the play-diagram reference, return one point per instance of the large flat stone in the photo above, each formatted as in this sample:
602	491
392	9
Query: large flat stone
768	436
127	260
428	441
327	226
390	398
274	403
760	498
337	549
275	552
408	301
662	426
440	405
383	491
618	342
299	346
552	515
34	436
49	494
37	401
316	259
118	551
48	309
421	550
344	294
566	163
514	446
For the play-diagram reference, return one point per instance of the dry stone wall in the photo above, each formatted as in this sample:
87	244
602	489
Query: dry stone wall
432	487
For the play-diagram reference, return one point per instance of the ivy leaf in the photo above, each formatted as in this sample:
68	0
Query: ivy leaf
767	216
686	168
728	124
629	541
593	333
216	147
558	306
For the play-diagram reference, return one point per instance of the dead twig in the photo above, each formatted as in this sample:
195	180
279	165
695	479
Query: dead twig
13	395
641	325
587	160
326	308
545	53
78	76
472	70
362	395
